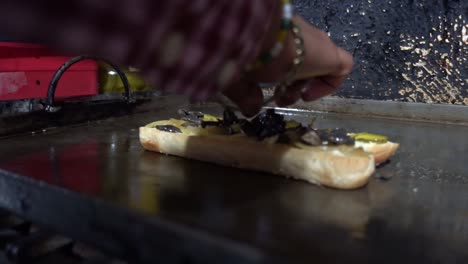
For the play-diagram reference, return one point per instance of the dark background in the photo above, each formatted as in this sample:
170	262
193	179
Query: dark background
404	50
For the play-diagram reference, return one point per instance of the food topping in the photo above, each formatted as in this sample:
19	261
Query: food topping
247	128
311	137
192	121
229	117
268	124
210	118
368	137
271	140
292	124
337	136
196	118
269	127
168	128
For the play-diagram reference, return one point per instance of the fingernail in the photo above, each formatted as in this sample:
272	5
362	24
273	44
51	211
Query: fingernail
346	61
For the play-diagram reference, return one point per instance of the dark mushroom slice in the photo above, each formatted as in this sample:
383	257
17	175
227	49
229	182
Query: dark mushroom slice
229	117
268	124
337	136
169	128
247	127
210	123
291	136
184	112
198	119
192	120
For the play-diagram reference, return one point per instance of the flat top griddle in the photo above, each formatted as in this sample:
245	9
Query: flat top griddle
95	183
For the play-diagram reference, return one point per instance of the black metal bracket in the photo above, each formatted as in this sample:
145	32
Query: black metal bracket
116	231
50	104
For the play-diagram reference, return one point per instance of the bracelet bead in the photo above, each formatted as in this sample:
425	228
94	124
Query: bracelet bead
286	24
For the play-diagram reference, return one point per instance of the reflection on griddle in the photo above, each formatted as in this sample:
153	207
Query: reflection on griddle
75	167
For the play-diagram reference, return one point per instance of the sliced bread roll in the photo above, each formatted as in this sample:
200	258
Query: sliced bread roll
381	151
342	167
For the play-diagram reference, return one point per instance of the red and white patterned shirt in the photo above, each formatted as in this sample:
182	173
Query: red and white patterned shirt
195	47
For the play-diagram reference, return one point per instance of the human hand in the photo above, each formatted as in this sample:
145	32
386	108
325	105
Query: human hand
324	69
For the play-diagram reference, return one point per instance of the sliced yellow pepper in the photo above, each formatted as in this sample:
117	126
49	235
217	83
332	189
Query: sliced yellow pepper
291	124
210	118
369	137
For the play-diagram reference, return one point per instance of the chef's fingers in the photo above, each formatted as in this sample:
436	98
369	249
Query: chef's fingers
322	57
324	69
293	94
247	96
316	89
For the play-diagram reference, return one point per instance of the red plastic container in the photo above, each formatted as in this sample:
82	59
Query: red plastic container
27	69
16	50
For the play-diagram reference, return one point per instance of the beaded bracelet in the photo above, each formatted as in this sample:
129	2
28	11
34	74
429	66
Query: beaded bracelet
298	60
281	37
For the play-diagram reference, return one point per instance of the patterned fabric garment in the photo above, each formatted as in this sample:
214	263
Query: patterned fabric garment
195	47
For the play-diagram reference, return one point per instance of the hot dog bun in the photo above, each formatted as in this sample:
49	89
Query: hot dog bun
343	167
381	151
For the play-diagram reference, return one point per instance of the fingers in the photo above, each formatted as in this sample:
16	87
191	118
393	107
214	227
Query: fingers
322	57
326	85
309	90
345	63
316	89
324	69
293	94
247	96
